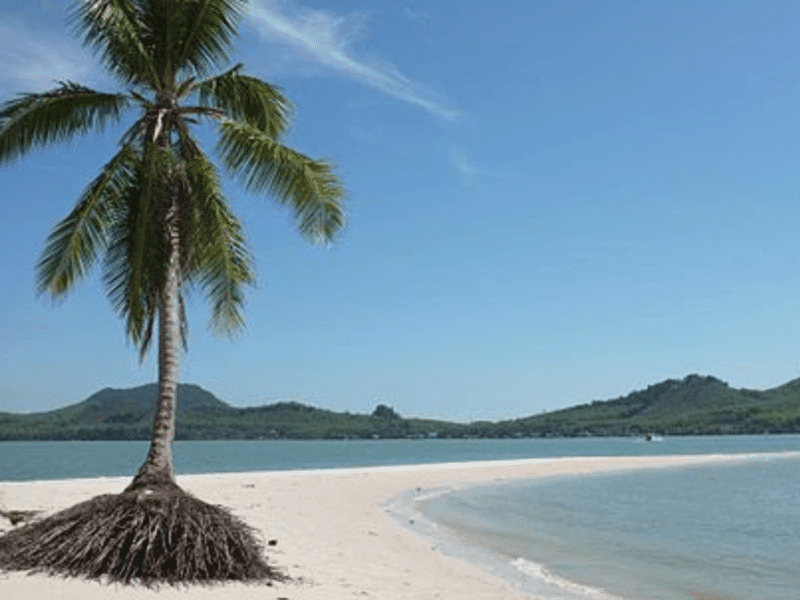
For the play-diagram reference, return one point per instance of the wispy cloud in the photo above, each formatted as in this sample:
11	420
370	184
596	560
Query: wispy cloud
468	172
33	61
326	38
463	166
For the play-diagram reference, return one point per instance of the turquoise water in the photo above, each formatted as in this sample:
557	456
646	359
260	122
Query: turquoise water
28	461
721	532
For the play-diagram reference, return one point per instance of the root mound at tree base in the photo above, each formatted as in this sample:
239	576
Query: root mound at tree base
135	537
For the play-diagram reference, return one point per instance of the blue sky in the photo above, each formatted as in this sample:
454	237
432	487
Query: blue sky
549	202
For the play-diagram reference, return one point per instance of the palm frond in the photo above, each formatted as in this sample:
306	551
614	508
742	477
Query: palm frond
136	259
187	147
151	311
116	30
74	243
38	119
206	34
133	297
184	87
309	186
146	339
248	99
135	133
221	261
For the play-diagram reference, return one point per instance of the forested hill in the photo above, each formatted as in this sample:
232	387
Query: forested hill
693	405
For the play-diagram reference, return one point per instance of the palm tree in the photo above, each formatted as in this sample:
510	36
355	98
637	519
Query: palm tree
157	217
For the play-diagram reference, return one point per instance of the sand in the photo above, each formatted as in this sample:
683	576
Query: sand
340	533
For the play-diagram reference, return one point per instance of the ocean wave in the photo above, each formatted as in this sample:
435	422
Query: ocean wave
542	575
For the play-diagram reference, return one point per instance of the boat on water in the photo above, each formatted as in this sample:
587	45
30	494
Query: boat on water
652	437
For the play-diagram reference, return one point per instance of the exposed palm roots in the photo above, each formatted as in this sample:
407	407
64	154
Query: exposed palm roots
147	538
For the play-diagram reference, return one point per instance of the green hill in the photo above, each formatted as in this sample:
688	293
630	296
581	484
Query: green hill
127	414
107	414
694	405
136	405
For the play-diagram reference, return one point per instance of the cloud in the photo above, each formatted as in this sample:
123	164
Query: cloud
468	172
326	39
464	168
32	63
34	58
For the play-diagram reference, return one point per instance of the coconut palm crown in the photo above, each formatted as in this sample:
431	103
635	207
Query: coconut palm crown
155	215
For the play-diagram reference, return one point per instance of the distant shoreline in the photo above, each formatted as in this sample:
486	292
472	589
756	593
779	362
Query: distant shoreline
694	405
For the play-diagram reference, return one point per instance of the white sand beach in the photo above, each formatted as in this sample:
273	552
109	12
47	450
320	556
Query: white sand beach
334	535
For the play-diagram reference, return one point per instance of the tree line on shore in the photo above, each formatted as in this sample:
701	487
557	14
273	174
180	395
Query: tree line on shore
694	405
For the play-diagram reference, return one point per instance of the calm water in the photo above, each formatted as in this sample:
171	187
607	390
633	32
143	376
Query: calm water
723	532
27	461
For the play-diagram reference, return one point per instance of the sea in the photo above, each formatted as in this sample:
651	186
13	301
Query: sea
720	531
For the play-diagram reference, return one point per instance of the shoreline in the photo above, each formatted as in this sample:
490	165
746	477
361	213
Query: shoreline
341	533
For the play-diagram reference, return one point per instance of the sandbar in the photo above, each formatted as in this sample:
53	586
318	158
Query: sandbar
340	533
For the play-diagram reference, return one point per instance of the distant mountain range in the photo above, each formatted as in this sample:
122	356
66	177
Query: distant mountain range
695	405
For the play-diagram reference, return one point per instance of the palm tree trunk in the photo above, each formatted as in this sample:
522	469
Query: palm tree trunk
157	470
